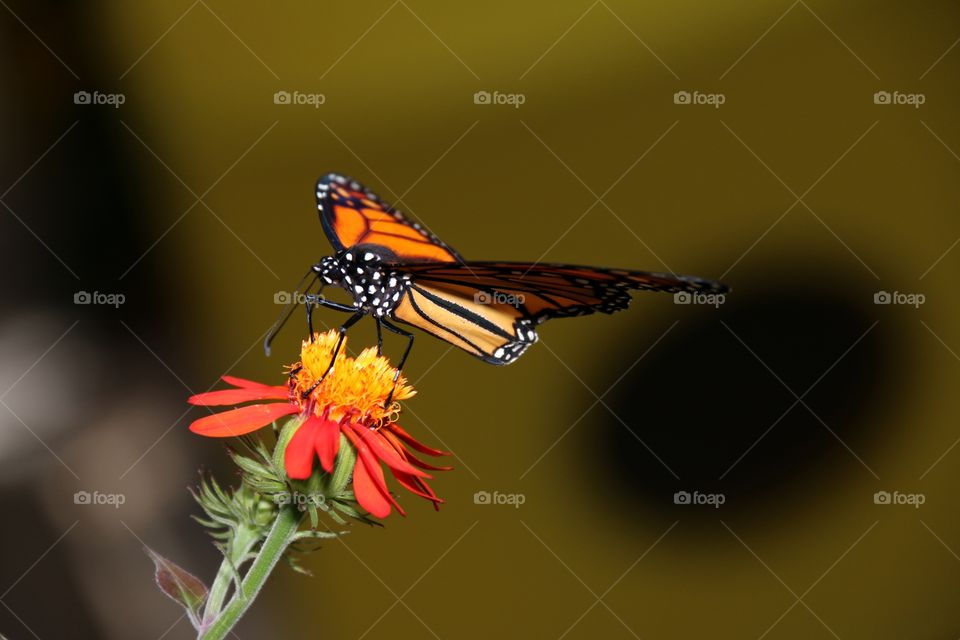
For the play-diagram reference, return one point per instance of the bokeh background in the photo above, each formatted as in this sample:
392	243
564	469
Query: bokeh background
797	400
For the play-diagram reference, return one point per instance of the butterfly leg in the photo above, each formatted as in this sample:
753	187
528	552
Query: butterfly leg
313	300
379	337
352	320
406	352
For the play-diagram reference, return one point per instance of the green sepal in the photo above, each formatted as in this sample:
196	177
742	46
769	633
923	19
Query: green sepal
342	468
280	448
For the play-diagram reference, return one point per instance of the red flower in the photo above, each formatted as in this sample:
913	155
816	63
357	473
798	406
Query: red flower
350	400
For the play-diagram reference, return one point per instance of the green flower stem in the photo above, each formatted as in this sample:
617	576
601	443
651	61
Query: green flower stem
242	543
281	535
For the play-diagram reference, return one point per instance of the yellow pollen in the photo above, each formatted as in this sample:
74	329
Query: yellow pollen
357	386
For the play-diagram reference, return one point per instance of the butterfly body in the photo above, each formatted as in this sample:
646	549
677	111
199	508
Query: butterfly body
396	270
376	289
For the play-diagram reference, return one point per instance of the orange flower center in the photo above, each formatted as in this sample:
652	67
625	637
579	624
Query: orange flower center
358	387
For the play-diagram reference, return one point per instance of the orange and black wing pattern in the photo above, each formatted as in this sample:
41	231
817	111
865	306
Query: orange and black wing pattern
544	291
491	329
353	215
491	309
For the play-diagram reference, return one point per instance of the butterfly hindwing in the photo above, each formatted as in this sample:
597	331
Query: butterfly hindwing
497	333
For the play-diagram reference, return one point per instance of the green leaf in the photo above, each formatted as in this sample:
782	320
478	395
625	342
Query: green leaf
181	586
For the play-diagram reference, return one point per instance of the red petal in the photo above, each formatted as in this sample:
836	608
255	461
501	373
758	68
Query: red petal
298	458
385	452
368	493
413	442
237	396
409	457
327	443
410	484
370	471
237	422
242	383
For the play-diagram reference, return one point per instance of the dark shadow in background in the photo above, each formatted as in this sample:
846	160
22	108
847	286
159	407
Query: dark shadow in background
81	201
700	400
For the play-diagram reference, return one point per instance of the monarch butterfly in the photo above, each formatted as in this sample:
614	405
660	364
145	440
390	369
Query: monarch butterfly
396	270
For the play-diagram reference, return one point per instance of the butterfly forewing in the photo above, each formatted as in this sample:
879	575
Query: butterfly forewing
352	215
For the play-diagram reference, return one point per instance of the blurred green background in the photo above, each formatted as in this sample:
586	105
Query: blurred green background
796	400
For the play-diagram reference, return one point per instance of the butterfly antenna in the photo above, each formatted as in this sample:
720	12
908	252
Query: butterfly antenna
288	310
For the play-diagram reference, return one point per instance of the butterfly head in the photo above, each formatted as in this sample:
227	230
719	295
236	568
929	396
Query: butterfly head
330	271
338	269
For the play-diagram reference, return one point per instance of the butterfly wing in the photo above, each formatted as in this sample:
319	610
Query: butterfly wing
491	309
495	332
353	215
